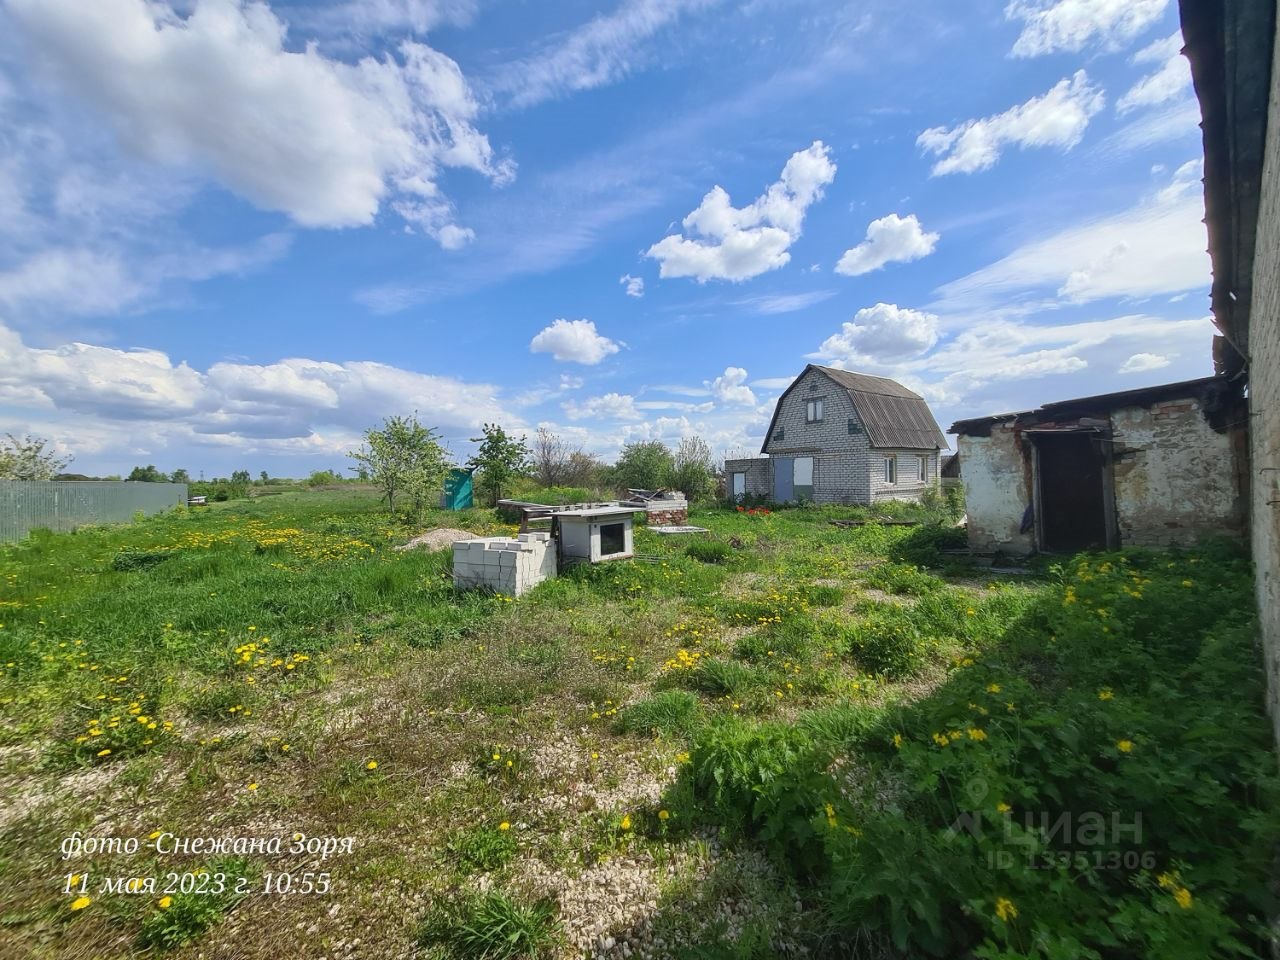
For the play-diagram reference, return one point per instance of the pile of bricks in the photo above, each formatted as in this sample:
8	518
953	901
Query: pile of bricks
506	565
667	513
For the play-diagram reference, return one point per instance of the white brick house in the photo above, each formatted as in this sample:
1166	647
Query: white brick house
842	437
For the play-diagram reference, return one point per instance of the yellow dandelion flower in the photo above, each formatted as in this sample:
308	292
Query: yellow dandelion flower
1183	896
80	903
664	815
104	753
626	821
1105	693
164	903
504	826
253	786
1005	910
1003	807
1124	746
897	740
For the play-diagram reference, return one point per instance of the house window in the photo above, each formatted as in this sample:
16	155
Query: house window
738	486
924	469
890	470
813	411
802	478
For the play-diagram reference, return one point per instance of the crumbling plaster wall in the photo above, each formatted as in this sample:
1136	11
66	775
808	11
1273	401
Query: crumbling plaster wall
1175	476
997	490
1264	401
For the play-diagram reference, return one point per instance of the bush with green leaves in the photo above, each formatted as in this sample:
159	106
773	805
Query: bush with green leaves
1099	781
483	847
490	926
187	915
671	713
709	551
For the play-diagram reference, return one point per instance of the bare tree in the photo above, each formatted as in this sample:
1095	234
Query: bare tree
552	457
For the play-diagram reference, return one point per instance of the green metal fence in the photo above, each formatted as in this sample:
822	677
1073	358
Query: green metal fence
27	505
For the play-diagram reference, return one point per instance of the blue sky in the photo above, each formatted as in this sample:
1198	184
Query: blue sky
234	234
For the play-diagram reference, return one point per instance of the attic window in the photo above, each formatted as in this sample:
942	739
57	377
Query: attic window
854	427
779	434
813	411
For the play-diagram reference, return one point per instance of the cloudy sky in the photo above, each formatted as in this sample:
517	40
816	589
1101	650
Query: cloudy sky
232	234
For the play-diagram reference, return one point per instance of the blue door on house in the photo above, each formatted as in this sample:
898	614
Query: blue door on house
783	476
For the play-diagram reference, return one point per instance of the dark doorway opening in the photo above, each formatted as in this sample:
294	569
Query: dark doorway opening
1073	513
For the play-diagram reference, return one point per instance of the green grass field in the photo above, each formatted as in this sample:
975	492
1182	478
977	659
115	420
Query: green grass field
754	749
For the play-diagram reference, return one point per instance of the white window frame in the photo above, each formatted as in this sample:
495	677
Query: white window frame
924	469
795	472
891	470
813	410
738	484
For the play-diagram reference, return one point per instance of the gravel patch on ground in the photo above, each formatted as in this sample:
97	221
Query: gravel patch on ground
436	539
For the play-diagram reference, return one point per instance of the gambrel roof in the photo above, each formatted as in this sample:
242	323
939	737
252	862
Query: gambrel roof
892	415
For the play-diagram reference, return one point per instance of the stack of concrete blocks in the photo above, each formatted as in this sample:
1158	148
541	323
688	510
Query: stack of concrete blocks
506	565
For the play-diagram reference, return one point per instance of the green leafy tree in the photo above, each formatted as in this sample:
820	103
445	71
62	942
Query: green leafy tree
500	459
693	470
404	458
147	474
263	478
180	476
645	465
240	476
29	458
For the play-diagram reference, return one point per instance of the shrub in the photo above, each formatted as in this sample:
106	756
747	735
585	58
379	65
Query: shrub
886	641
709	551
482	847
188	915
491	926
673	713
128	559
768	780
902	578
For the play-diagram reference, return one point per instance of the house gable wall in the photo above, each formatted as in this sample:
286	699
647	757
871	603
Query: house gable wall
840	468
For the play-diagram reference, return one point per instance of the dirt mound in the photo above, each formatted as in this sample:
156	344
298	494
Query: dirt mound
436	539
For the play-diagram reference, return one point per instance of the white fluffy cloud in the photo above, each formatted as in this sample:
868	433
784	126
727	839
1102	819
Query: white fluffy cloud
1170	80
891	239
1142	362
883	333
610	406
633	285
1057	118
573	340
731	388
1053	25
323	141
1156	247
295	402
731	243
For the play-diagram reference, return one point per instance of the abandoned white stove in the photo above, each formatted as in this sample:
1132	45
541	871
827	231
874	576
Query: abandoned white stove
593	533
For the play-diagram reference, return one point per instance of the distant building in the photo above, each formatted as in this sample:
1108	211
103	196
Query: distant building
1148	467
842	437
